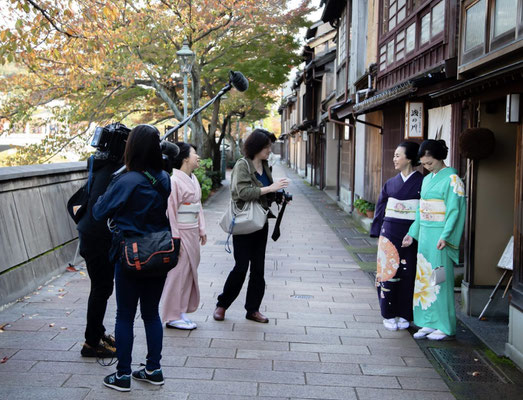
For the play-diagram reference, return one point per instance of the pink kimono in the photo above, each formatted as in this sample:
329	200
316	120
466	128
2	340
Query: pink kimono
181	293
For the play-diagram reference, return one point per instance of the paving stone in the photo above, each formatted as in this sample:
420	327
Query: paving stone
423	384
277	355
380	394
42	393
399	371
249	344
35	379
352	380
297	378
358	359
328	348
16	366
307	392
309	338
233	363
322	367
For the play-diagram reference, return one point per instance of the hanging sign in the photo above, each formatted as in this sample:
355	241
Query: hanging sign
413	120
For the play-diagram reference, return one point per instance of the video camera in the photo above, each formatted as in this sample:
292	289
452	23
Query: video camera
110	141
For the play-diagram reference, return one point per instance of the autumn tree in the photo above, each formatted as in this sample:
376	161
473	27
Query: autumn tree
115	60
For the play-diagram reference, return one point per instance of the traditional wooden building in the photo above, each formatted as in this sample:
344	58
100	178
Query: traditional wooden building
488	91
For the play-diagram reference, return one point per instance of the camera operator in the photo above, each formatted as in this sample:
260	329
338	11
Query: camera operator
95	240
251	180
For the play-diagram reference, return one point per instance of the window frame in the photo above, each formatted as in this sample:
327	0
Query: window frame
505	38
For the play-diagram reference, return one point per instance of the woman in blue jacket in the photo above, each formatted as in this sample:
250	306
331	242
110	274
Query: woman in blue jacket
136	207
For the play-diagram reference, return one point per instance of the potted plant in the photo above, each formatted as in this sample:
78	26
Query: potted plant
360	206
370	210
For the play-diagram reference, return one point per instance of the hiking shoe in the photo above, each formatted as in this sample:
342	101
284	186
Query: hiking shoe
109	339
103	350
120	383
155	377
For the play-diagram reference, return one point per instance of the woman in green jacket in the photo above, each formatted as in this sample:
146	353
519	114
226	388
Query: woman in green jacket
251	180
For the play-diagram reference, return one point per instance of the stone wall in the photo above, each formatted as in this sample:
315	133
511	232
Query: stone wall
37	237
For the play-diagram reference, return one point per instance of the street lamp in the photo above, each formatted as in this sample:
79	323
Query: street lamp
186	58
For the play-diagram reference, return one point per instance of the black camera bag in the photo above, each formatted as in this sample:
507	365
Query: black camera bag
151	254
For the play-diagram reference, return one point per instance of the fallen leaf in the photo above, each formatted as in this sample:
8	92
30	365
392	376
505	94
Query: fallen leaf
60	290
71	268
4	360
82	273
63	328
475	373
51	324
60	297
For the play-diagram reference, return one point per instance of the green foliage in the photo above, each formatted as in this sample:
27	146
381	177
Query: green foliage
363	205
204	180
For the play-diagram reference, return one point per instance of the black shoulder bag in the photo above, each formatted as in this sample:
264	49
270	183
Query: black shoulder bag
151	254
77	203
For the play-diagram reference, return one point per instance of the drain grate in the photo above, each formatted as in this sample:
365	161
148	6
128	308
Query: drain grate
466	366
302	296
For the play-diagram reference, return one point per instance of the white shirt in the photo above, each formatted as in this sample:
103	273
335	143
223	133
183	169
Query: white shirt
406	177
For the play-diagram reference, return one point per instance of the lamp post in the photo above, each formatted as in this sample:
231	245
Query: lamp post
186	58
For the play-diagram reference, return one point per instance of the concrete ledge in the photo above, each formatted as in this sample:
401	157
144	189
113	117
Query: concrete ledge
25	278
9	173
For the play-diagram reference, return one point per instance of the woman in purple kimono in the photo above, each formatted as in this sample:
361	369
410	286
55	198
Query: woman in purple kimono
395	212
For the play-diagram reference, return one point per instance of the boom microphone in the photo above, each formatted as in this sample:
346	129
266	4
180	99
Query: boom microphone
238	80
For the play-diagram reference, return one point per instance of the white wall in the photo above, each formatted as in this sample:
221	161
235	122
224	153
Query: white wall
359	181
331	156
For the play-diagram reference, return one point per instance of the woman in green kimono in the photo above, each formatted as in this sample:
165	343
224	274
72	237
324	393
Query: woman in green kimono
438	228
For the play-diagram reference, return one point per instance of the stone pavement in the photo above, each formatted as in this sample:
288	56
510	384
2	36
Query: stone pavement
325	339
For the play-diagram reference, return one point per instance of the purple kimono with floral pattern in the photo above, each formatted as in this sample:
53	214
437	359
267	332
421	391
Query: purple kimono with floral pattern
396	266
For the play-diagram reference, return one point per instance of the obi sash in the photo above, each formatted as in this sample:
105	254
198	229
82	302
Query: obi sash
188	213
432	210
401	209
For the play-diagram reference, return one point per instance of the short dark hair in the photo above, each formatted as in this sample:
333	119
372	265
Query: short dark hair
257	141
185	152
411	152
142	151
433	148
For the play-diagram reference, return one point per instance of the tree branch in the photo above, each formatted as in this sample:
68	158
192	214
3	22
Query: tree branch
52	22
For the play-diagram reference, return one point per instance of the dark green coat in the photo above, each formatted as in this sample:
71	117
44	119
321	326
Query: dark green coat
245	186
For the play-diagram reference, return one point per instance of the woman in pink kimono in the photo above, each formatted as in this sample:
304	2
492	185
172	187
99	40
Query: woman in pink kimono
181	294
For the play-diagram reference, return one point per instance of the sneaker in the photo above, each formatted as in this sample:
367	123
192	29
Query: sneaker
439	335
181	324
390	324
103	350
120	383
109	339
155	377
403	323
423	333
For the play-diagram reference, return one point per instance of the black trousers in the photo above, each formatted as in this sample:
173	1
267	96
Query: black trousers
248	249
95	251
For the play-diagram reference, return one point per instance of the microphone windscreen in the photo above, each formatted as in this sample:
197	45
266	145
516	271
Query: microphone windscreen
169	149
239	81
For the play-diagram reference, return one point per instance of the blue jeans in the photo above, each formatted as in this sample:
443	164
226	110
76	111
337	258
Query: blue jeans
129	290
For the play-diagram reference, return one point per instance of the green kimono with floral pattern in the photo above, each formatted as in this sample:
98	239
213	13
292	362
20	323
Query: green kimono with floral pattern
441	215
